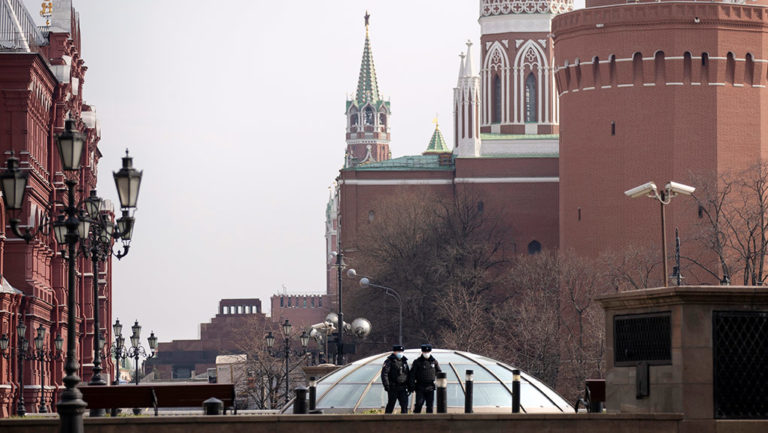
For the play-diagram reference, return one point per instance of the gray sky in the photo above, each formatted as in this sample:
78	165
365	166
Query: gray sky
235	111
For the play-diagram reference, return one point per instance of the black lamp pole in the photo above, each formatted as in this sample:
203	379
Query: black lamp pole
21	356
68	230
340	339
96	378
45	355
270	340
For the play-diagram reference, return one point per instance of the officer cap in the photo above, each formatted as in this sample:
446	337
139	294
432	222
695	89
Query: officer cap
426	347
398	348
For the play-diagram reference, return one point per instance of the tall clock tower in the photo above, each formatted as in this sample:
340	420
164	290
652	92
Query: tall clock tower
367	114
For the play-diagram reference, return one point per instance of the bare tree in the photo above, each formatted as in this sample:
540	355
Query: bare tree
734	227
261	380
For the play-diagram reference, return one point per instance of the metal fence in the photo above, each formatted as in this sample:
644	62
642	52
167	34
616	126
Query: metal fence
18	31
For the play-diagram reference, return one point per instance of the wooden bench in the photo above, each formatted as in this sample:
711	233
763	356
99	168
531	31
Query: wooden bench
157	395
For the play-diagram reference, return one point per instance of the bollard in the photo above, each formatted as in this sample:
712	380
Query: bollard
213	406
515	391
312	393
300	404
442	392
468	391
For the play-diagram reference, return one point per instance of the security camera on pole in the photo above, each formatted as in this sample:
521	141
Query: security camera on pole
670	190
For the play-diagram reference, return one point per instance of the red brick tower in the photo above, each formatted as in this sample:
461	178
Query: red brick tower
517	66
653	92
367	115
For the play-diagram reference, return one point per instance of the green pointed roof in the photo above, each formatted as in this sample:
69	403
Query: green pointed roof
437	143
367	85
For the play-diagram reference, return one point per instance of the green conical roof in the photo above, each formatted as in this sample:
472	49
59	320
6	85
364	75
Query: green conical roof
437	142
367	85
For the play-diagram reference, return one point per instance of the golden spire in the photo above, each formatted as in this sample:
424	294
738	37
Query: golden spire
435	121
367	18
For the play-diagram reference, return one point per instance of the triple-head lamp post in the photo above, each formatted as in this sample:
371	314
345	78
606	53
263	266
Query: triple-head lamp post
72	226
270	340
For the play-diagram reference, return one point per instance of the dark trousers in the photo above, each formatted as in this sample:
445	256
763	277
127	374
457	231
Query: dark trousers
399	394
424	394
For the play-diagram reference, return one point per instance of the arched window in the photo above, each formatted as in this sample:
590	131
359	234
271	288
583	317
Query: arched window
225	310
637	69
368	116
612	70
704	68
730	69
382	119
530	98
496	99
660	71
596	72
749	70
534	247
577	73
687	67
353	121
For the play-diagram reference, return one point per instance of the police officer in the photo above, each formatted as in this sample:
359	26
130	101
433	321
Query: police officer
394	377
422	378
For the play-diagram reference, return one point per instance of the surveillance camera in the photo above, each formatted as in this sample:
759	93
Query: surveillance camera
679	188
642	190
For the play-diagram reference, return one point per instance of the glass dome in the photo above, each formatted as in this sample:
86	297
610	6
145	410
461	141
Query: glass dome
357	386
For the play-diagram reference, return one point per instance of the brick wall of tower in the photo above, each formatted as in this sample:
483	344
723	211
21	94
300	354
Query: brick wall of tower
653	92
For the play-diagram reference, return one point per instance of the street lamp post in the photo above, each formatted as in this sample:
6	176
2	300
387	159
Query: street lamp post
664	196
119	352
21	355
365	283
69	228
270	340
137	351
340	339
44	355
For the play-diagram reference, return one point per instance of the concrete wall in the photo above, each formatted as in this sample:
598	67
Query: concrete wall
562	423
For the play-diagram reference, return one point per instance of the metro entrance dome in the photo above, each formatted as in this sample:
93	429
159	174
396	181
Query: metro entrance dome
357	387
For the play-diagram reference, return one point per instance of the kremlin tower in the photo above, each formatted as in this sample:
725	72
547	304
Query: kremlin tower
367	114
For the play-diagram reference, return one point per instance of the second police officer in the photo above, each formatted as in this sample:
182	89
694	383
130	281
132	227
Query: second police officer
422	378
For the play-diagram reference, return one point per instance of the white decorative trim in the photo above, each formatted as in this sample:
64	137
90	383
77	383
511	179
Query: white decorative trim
605	87
674	83
695	83
758	85
386	182
717	84
738	85
507	179
624	85
393	182
649	84
505	7
588	88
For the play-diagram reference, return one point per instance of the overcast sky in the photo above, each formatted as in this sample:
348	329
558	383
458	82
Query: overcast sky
235	111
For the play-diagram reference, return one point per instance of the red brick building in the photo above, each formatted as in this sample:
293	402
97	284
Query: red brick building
505	151
570	109
659	91
41	85
236	321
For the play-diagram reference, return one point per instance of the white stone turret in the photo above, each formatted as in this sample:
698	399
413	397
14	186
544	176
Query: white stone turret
466	108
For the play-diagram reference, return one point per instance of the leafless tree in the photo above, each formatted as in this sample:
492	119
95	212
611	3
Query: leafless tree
261	379
734	224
